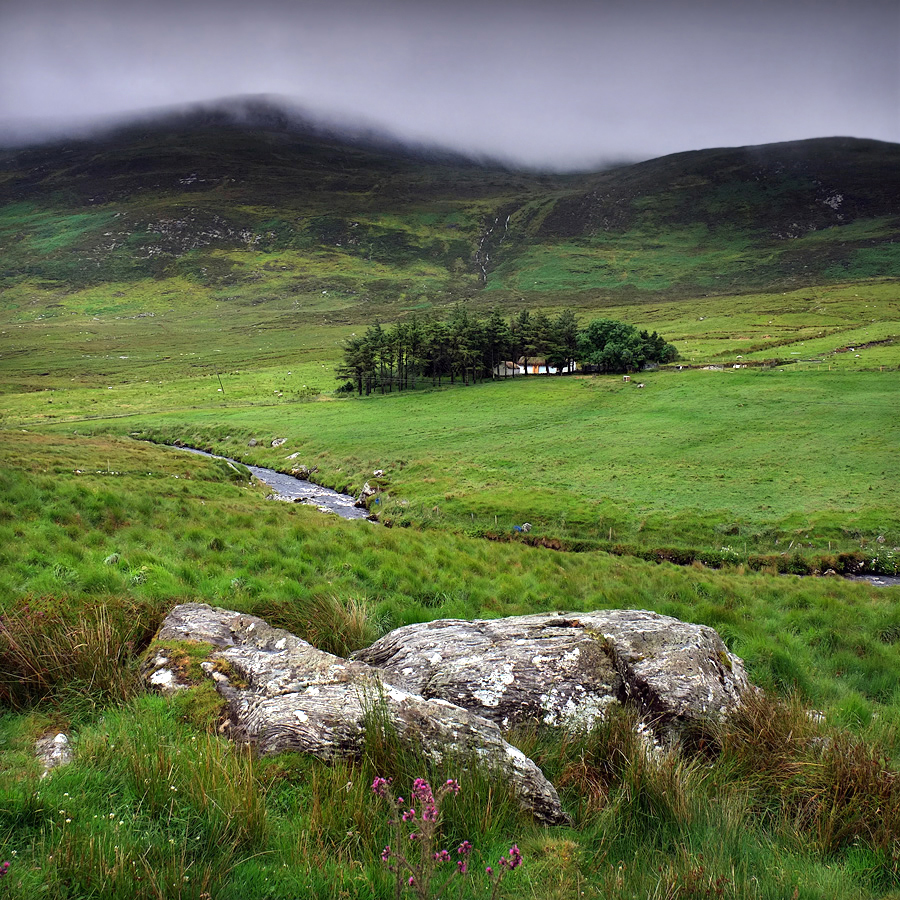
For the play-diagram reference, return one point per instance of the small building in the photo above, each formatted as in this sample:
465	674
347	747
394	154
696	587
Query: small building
538	366
508	369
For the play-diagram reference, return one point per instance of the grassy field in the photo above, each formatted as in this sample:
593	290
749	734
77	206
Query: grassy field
791	463
102	535
179	287
761	460
796	455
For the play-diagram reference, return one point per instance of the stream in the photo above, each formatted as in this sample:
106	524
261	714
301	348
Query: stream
296	490
878	580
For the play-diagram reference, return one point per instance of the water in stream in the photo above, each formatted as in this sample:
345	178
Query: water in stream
291	489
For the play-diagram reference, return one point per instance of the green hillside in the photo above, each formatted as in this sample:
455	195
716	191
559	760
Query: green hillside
243	214
194	279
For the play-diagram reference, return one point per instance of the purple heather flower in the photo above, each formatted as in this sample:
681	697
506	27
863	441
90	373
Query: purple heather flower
409	815
464	849
463	866
442	856
490	871
386	854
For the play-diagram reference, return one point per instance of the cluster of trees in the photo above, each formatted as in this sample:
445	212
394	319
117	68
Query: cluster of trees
469	348
610	346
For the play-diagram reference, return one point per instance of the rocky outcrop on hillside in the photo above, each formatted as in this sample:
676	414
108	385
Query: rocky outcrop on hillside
284	694
448	687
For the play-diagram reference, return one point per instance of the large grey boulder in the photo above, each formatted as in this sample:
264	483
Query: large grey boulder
284	694
447	687
565	669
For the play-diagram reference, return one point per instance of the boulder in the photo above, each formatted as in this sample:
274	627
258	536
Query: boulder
53	751
284	694
365	495
565	669
449	686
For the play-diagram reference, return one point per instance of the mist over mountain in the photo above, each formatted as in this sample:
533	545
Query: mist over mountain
568	85
218	192
257	112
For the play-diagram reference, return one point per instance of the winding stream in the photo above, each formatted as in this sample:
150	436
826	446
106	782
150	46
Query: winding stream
296	490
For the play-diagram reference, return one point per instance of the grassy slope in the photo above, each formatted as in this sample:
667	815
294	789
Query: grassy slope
131	288
108	547
243	214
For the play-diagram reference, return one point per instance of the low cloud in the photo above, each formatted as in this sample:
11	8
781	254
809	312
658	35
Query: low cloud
563	85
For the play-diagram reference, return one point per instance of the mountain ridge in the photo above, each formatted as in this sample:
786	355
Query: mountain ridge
213	200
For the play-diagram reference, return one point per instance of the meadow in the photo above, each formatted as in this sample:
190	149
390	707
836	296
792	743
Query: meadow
103	531
102	535
196	289
794	453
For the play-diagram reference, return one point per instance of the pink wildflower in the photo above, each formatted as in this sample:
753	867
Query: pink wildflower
515	858
422	791
380	786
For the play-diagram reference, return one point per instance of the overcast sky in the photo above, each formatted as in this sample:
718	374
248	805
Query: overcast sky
564	83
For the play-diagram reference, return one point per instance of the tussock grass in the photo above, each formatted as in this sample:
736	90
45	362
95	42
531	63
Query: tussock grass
149	809
335	624
88	654
828	786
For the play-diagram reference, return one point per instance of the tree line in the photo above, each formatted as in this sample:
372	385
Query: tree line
469	348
